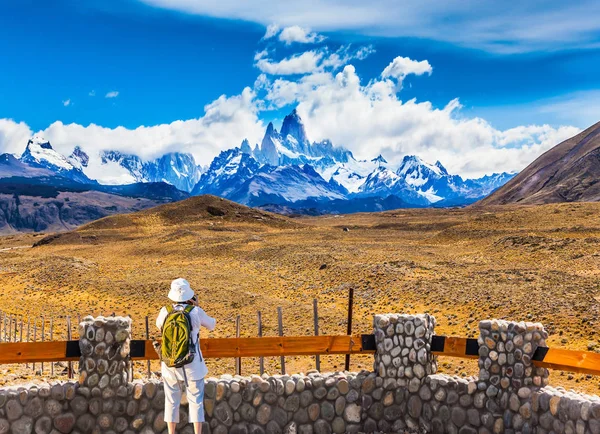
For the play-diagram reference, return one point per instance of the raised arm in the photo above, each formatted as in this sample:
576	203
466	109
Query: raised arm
206	321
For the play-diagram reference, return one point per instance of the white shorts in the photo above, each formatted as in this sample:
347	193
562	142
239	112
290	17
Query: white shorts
195	397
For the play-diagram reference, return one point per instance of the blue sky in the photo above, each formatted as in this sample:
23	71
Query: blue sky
165	61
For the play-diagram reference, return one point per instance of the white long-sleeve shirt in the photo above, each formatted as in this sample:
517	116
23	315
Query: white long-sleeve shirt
196	370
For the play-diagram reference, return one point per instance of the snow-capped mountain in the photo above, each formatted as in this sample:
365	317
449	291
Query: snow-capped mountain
238	176
39	153
227	172
288	167
292	146
433	182
286	184
79	158
384	182
114	167
175	168
489	183
284	169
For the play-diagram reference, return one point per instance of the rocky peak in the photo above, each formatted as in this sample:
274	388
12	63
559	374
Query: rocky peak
293	126
38	141
379	160
271	131
79	155
439	165
245	147
268	147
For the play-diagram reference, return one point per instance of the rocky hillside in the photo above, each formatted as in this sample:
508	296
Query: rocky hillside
569	172
66	211
53	204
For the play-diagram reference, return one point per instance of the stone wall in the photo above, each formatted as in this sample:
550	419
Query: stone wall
403	394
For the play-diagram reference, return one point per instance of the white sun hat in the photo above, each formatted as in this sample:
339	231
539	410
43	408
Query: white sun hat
180	290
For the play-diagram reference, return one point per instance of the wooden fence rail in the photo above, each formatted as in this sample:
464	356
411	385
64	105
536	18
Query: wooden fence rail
32	352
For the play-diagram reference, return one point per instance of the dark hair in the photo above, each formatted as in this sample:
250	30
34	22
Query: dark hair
192	300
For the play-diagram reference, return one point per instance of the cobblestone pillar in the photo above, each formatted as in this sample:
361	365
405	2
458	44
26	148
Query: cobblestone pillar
104	364
507	375
404	348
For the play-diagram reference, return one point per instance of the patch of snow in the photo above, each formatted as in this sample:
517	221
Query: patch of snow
430	195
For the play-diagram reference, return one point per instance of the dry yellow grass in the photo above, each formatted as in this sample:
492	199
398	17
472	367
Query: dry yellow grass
537	263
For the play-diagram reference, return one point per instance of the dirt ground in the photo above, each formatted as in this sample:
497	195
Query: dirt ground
536	263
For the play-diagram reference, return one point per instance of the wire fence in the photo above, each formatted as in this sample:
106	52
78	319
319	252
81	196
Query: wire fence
20	328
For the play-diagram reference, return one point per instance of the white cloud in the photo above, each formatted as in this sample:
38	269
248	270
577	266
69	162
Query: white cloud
312	61
300	35
488	25
345	55
66	102
226	122
272	30
13	136
112	94
297	64
400	67
260	55
92	93
371	119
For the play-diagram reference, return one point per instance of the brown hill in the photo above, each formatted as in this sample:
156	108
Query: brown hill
166	221
569	172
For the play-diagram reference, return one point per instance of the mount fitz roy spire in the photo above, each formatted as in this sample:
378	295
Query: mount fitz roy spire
294	132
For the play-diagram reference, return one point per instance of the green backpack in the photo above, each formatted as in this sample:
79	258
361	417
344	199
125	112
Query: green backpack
178	347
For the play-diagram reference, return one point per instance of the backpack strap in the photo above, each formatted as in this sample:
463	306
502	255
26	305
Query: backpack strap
188	309
169	308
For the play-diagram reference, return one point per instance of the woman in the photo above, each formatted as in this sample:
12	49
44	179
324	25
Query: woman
191	374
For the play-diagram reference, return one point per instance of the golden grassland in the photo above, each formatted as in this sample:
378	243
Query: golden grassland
537	263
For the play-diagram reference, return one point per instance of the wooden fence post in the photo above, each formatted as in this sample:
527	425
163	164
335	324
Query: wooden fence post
34	337
349	331
280	324
21	332
316	321
9	329
28	335
261	360
51	335
43	329
148	337
70	364
1	324
238	360
131	361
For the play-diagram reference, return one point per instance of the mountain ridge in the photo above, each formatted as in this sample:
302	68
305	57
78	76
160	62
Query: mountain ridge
568	172
286	167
